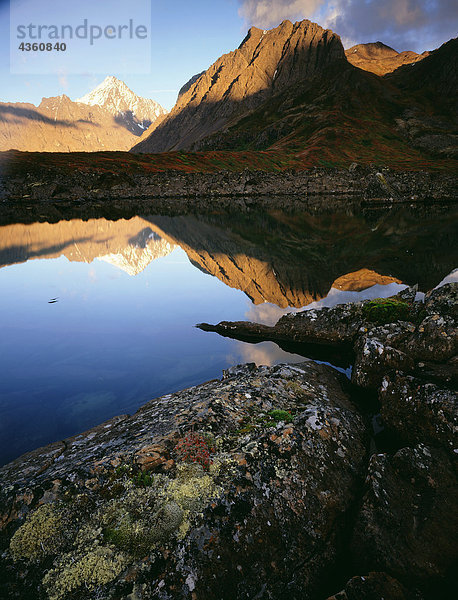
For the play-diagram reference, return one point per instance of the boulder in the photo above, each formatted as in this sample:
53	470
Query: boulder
443	300
408	523
419	412
377	353
435	339
233	489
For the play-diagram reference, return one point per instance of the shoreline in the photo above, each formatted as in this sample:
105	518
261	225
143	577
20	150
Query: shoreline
366	184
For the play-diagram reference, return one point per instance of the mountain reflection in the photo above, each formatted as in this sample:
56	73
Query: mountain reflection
286	260
295	259
127	244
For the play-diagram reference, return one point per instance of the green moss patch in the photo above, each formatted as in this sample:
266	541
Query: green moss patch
387	310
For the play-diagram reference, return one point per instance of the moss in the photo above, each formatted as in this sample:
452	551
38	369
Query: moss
280	415
41	535
143	480
387	310
95	568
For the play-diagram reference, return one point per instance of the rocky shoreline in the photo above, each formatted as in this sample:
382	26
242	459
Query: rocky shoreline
268	483
54	184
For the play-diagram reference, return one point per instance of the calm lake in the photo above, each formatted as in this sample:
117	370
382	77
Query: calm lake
97	317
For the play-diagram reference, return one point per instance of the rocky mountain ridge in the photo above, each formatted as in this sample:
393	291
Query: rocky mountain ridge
118	99
109	118
263	64
294	89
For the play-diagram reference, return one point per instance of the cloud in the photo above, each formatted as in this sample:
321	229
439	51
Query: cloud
267	313
266	353
403	24
269	13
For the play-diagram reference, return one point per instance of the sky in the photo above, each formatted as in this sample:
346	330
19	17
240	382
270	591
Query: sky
184	38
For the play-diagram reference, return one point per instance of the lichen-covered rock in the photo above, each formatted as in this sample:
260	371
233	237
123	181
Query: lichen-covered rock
445	373
337	325
408	522
435	339
41	534
400	346
89	571
373	586
265	516
443	300
377	354
419	412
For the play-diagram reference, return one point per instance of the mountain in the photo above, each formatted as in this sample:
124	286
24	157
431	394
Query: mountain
134	112
435	77
60	125
263	64
431	121
293	90
111	117
380	59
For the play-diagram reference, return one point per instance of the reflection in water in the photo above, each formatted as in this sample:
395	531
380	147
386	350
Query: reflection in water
293	260
266	353
268	314
84	339
128	244
285	260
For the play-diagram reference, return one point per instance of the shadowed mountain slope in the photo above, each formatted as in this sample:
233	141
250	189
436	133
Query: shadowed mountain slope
264	64
294	259
430	122
293	89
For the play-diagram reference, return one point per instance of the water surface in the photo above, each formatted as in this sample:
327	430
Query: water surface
98	316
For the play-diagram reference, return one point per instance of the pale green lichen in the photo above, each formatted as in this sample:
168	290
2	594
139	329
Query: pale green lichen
192	489
141	519
139	536
104	542
95	568
145	517
40	535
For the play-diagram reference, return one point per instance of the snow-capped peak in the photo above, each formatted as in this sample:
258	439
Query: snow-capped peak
117	98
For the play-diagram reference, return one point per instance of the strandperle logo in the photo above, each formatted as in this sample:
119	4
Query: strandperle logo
84	37
84	31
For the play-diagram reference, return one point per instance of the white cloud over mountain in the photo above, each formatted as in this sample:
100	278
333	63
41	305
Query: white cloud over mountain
404	24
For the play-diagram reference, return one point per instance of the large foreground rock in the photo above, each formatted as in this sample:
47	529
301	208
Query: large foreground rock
419	412
408	522
234	489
